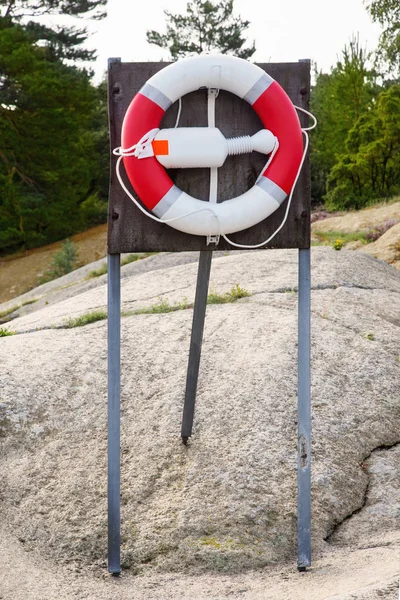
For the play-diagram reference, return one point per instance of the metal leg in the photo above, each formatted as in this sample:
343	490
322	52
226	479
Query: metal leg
199	313
304	413
114	384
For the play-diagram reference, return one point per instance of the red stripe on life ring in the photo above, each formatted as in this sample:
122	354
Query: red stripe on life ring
278	114
148	176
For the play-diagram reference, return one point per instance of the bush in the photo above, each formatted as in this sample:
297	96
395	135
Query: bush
94	211
64	261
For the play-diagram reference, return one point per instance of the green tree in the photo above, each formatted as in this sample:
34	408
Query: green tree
370	166
338	99
387	14
61	42
205	26
47	158
53	125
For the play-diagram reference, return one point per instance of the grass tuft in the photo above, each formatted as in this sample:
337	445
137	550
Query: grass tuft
134	257
125	261
163	305
234	294
29	301
9	311
86	319
4	332
98	272
330	237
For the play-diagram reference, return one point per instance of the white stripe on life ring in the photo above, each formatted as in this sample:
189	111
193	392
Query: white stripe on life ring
233	74
230	216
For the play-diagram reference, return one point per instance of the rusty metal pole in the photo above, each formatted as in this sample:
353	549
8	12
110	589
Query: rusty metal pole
199	315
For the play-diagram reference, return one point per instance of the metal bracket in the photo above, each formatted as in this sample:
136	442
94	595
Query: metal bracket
212	95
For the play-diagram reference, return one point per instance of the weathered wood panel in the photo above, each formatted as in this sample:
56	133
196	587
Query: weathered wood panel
131	231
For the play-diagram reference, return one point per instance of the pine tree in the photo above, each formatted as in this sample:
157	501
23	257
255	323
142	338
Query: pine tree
61	42
338	99
52	125
206	26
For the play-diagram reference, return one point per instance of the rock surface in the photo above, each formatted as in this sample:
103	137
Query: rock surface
387	247
360	220
227	501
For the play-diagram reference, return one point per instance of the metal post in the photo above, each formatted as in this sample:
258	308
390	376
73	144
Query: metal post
114	384
304	412
199	314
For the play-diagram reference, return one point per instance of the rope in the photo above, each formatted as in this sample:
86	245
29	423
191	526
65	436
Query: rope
142	149
305	133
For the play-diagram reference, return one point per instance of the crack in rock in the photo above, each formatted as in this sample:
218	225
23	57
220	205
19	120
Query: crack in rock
357	510
330	286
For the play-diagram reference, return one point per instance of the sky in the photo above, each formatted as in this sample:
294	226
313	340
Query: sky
284	30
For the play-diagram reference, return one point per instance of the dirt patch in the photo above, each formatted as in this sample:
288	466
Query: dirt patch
22	272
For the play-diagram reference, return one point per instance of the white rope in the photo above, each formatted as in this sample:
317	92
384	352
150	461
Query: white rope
142	149
303	110
178	116
248	247
144	211
271	237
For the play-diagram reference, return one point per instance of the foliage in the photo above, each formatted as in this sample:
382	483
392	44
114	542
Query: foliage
98	272
331	237
4	332
12	309
369	336
370	165
49	127
338	244
125	261
8	311
64	261
376	232
338	99
86	319
60	42
134	257
234	294
206	26
387	14
163	305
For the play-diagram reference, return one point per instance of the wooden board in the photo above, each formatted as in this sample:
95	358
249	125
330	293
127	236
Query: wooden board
131	231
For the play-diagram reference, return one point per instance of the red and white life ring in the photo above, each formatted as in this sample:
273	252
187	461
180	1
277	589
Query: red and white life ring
149	178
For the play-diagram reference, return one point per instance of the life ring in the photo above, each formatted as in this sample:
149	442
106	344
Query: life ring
149	178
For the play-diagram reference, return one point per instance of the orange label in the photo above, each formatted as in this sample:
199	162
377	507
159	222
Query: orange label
160	147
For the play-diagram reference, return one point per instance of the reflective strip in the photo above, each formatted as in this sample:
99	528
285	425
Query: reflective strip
167	201
258	88
272	189
156	96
